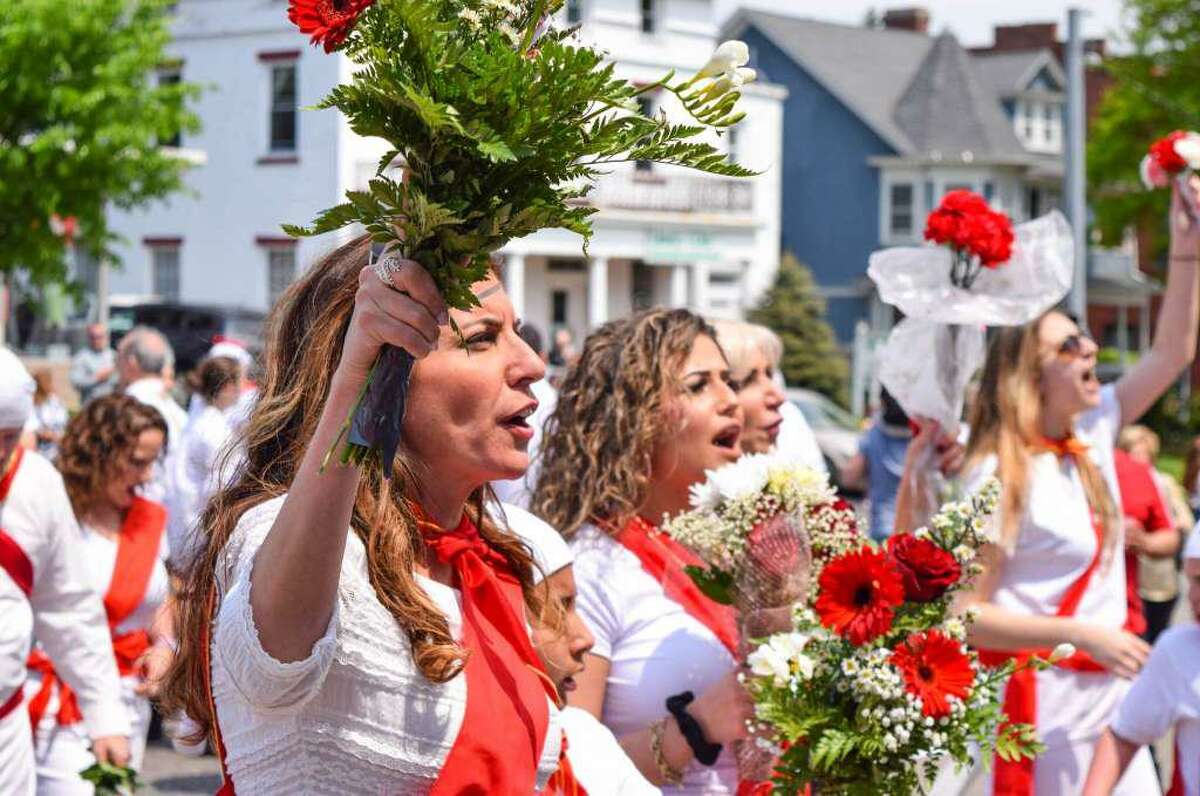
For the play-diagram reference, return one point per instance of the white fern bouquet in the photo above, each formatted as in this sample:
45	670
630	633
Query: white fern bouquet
875	685
501	123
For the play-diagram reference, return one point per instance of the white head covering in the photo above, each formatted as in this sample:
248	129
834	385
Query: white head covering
1192	548
16	391
550	550
237	353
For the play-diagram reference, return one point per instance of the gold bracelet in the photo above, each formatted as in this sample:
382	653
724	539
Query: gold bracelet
670	776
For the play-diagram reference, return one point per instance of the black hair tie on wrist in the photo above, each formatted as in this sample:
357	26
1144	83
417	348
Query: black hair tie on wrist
705	752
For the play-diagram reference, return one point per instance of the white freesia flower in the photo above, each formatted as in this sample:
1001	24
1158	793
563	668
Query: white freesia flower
781	657
1188	148
1061	652
704	495
726	59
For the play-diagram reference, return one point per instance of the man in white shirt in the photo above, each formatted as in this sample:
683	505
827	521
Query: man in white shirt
43	594
599	763
144	357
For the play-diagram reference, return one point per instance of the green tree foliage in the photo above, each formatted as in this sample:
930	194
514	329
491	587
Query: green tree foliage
811	356
81	118
1156	90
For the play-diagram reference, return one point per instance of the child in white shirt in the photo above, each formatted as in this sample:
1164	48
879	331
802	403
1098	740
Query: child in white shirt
1166	693
599	763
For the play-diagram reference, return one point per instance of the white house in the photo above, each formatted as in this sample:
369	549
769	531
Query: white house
663	236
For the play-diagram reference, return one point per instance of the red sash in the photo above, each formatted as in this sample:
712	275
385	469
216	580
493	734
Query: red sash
18	566
1015	778
504	729
664	559
137	552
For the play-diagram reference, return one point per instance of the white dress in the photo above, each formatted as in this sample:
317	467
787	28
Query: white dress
355	716
66	615
198	467
62	752
654	647
1055	544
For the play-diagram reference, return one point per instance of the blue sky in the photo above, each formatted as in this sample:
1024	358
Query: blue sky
971	20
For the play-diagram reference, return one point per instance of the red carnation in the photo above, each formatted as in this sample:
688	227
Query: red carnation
329	21
926	569
934	667
964	202
859	592
1163	151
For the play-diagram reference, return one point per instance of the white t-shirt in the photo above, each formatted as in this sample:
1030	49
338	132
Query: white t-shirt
198	468
600	764
1167	693
1054	546
654	647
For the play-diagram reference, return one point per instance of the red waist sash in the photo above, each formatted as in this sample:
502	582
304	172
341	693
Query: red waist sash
18	566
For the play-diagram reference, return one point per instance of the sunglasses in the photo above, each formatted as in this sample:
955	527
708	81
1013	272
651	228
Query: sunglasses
1072	346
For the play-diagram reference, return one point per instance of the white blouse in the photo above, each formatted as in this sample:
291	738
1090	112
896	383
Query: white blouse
355	716
654	647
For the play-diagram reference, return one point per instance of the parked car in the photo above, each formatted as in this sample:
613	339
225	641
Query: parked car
837	431
191	328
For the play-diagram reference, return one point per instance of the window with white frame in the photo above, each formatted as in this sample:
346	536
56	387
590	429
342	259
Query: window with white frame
646	106
282	121
1051	122
574	12
281	270
1027	117
731	137
164	270
649	16
900	209
171	76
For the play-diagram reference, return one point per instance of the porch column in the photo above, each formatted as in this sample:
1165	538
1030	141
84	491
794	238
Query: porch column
514	282
679	286
1144	326
699	287
1123	334
597	291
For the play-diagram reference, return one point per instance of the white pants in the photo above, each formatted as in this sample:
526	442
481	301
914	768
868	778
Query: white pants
63	752
17	776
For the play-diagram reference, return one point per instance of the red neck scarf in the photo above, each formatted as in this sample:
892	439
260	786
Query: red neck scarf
1062	448
504	729
664	559
1015	777
14	561
137	552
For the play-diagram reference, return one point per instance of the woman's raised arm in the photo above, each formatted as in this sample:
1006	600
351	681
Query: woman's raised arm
295	577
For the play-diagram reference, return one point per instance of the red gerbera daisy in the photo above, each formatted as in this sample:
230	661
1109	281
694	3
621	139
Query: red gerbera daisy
859	592
329	21
934	667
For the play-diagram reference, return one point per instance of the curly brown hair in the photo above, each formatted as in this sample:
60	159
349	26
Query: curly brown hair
305	333
599	443
98	440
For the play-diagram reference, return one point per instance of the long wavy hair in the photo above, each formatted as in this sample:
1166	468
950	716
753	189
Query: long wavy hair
1006	421
599	443
305	333
98	440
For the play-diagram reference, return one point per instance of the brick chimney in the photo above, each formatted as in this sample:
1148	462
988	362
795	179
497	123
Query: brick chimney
914	18
1033	36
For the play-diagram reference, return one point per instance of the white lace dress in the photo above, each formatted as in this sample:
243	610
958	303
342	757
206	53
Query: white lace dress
355	716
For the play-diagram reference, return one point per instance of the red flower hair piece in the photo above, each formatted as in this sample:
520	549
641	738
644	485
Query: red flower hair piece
934	667
329	21
859	592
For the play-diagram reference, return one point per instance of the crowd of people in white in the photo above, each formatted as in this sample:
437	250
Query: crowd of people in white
502	616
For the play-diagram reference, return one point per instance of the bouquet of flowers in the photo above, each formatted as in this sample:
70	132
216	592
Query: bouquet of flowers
1173	157
978	236
110	780
751	523
875	685
498	123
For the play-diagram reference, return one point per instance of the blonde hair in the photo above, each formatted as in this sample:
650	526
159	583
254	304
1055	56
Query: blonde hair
741	340
1131	436
1006	421
305	333
599	443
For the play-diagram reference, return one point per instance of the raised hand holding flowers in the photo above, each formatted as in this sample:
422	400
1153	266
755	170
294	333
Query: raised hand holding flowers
1175	156
501	124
